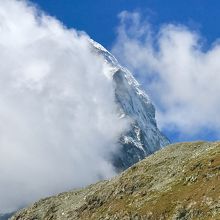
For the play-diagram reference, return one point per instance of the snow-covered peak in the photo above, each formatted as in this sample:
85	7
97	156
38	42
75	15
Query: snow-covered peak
144	137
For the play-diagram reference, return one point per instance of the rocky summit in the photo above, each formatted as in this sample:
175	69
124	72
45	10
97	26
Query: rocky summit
180	182
143	137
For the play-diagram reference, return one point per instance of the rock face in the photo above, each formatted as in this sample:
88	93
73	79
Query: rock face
144	137
179	182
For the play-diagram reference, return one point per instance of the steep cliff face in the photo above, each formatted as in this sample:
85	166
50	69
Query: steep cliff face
144	137
179	182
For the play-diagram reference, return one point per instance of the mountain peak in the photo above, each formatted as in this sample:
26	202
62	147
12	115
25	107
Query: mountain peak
144	137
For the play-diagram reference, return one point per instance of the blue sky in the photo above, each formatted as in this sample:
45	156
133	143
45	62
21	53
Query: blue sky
99	19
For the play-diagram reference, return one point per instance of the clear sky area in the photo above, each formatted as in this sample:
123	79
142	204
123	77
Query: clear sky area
99	17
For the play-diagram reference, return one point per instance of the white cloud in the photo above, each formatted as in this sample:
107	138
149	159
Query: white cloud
58	118
181	76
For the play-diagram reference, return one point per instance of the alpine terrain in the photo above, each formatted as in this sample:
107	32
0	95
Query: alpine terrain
144	138
179	182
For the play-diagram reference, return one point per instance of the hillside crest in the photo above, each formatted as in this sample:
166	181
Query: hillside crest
180	181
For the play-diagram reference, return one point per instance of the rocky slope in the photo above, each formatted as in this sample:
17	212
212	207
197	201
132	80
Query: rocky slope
180	181
144	137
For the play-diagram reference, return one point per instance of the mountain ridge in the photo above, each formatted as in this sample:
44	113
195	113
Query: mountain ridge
179	182
144	137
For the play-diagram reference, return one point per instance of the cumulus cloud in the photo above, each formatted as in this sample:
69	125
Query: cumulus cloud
58	119
179	72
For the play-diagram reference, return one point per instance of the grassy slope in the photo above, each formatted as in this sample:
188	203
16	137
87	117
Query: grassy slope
182	181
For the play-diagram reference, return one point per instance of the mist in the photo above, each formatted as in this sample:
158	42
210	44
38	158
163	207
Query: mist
59	123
